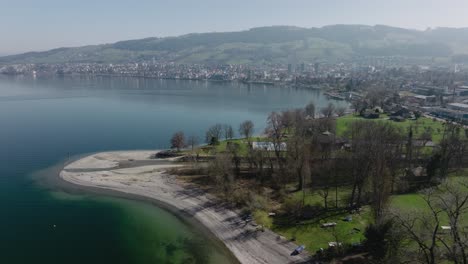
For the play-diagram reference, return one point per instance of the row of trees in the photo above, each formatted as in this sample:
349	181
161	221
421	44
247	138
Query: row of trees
213	135
179	141
220	131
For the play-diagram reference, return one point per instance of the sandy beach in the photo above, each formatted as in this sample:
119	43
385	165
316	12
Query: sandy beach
135	172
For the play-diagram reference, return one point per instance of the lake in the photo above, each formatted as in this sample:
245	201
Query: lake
44	121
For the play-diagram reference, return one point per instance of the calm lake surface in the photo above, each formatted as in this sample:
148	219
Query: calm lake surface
43	121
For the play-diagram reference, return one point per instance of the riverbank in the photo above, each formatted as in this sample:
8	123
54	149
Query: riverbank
136	172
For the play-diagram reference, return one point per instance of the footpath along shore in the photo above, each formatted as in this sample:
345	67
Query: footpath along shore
137	173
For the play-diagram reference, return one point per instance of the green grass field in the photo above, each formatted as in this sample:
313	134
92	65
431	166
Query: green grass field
419	125
314	237
310	233
413	202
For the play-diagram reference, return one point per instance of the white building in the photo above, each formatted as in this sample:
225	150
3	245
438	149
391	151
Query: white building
268	146
458	107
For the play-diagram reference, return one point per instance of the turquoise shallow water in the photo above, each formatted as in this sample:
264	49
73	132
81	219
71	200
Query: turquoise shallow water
45	120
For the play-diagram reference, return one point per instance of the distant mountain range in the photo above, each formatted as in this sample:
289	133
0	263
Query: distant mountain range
277	44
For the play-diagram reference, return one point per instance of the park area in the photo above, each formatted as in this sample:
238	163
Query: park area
350	227
314	183
420	125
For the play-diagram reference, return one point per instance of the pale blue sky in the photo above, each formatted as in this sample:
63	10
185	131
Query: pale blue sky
27	25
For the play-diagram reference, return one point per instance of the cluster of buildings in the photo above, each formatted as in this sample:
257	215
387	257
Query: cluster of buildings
271	74
301	74
450	103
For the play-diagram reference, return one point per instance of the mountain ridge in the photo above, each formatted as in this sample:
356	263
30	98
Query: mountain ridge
273	44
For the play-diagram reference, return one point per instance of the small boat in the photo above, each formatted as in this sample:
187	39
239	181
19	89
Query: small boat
298	250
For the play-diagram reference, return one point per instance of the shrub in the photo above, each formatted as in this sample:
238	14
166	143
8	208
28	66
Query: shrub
292	206
262	218
240	197
258	202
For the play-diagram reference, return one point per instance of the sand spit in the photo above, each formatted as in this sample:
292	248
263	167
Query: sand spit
135	172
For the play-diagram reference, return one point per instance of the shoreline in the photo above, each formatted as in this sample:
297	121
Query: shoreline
259	83
49	178
134	175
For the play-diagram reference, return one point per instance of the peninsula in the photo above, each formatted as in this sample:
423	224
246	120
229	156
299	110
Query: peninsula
139	173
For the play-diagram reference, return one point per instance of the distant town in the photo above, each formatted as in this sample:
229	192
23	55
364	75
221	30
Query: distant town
436	91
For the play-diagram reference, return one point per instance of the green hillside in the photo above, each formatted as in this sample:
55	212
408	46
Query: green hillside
279	44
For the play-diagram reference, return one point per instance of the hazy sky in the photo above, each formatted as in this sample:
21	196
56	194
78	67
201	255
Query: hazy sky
27	25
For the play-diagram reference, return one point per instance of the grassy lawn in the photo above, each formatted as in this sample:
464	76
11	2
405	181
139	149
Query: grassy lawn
315	237
408	202
413	202
419	126
310	233
313	198
243	145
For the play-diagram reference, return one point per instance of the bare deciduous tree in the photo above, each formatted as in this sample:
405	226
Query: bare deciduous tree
213	134
310	110
276	133
341	111
221	171
449	201
228	132
452	148
298	157
328	110
375	97
259	158
422	228
374	149
246	129
192	141
452	198
233	149
178	140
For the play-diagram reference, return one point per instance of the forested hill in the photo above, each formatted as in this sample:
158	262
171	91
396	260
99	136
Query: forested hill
278	44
